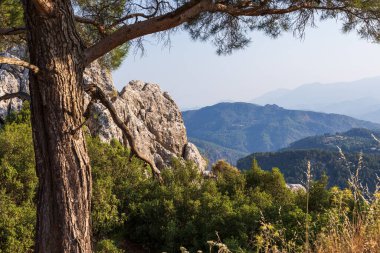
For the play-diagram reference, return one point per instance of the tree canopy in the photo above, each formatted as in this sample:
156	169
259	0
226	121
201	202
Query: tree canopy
106	25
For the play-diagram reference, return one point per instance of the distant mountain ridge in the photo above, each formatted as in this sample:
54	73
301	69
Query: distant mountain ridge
360	99
247	128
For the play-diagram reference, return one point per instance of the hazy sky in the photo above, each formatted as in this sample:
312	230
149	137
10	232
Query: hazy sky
195	76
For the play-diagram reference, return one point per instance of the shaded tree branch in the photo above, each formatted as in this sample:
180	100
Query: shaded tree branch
12	30
13	61
132	15
252	11
160	23
99	26
186	13
21	95
86	116
97	94
137	15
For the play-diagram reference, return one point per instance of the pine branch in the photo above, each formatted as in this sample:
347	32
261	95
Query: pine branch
21	95
83	20
13	61
12	31
188	12
157	24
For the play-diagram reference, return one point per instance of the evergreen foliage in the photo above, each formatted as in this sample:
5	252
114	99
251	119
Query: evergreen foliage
293	162
128	206
11	15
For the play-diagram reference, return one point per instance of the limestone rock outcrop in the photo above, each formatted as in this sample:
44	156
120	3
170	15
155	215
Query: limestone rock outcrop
192	154
296	187
151	116
13	79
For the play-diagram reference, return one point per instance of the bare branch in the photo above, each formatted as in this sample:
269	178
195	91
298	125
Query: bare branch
252	11
13	61
21	95
99	26
132	15
12	31
97	94
137	15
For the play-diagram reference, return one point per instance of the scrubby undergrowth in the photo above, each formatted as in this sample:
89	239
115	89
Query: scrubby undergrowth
252	211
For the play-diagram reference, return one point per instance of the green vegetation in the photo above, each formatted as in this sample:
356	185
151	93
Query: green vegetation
353	141
11	15
293	163
18	183
252	211
332	154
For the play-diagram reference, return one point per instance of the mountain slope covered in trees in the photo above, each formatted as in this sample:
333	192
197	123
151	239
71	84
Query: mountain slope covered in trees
247	128
336	155
353	141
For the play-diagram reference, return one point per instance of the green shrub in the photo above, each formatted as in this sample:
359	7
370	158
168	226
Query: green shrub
107	246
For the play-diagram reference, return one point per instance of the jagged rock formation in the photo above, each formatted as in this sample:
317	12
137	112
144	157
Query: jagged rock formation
296	187
191	153
151	116
12	79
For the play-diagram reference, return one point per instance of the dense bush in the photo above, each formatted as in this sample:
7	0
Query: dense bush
17	184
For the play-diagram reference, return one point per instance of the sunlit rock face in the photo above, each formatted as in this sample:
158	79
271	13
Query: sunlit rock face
13	79
296	187
151	116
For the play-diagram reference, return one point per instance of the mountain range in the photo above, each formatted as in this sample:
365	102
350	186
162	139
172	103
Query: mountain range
246	128
359	99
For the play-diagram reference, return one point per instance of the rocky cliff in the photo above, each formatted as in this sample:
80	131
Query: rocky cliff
150	115
12	79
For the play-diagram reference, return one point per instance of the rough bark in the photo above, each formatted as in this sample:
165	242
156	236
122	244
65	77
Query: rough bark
63	168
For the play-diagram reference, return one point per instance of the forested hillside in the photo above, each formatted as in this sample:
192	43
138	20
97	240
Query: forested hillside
293	163
354	140
337	155
247	128
214	152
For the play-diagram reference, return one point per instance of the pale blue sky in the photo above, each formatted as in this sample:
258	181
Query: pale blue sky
195	76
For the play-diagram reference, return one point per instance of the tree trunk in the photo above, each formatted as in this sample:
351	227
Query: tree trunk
57	101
